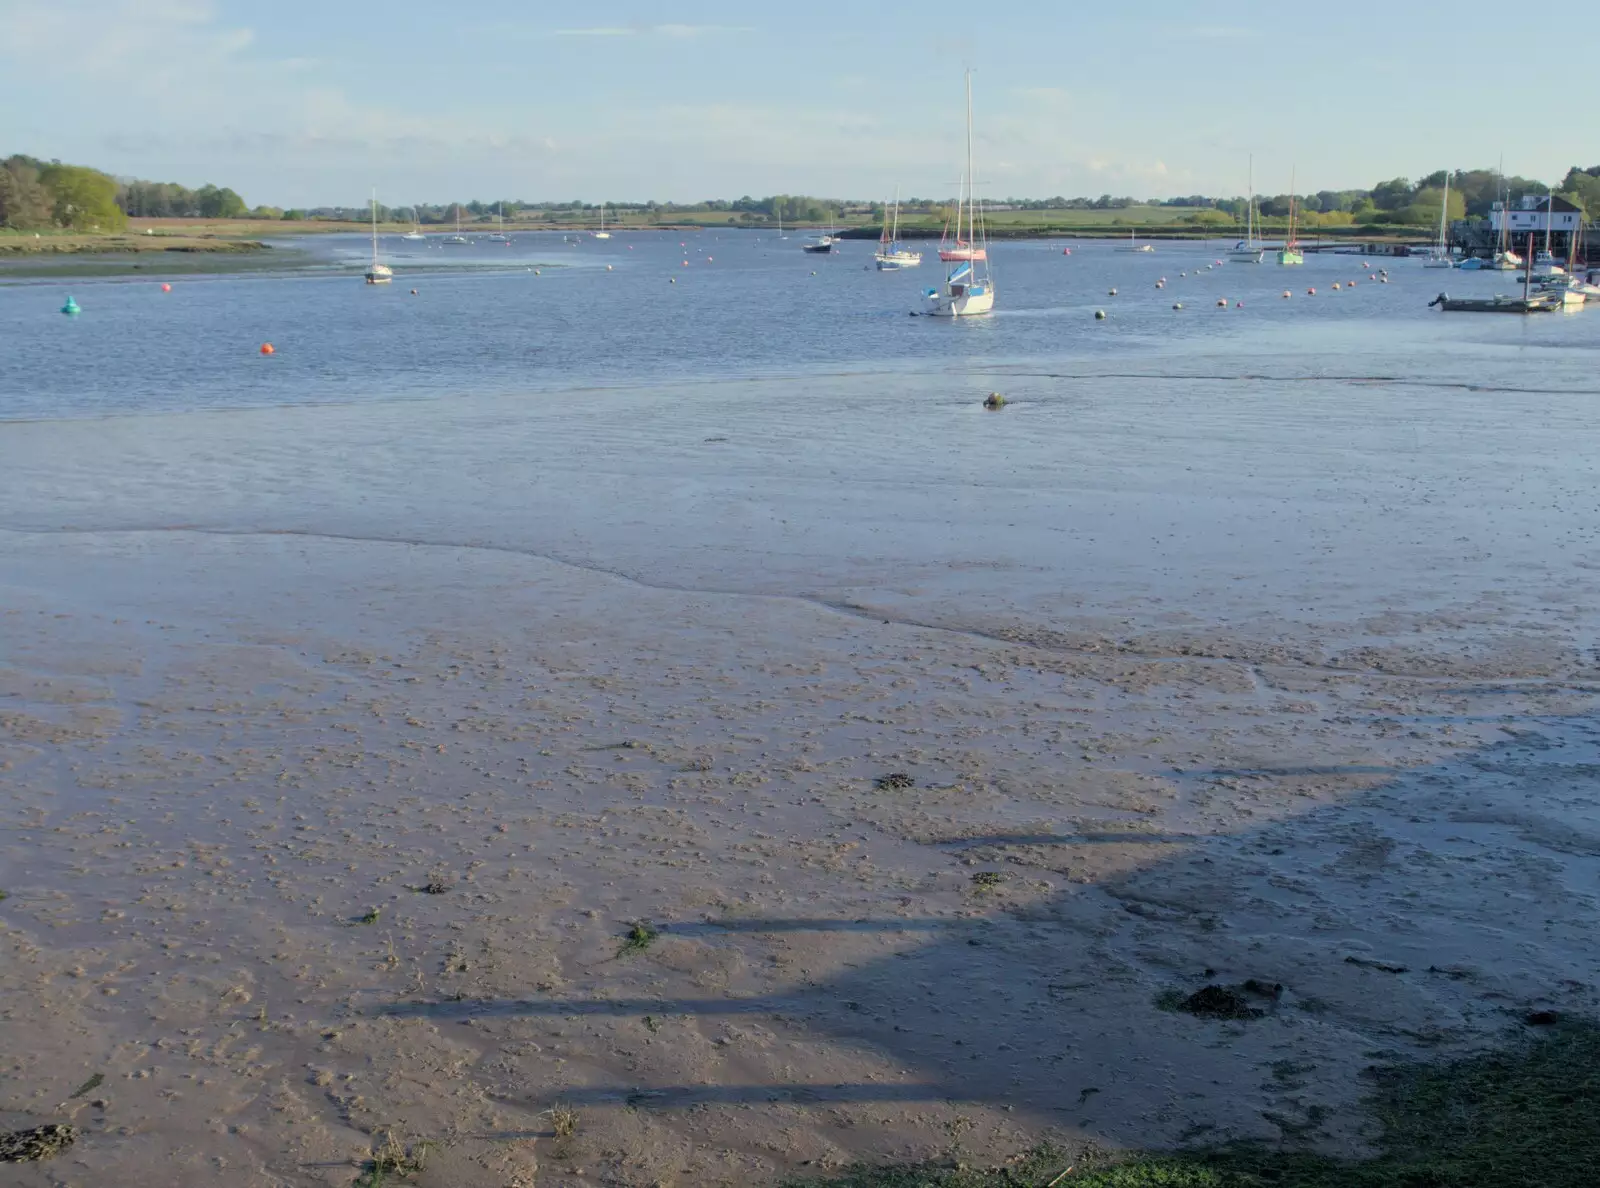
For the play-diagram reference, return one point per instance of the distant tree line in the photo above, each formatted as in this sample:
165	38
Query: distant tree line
36	194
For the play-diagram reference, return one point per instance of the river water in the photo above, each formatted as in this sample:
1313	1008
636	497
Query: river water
723	411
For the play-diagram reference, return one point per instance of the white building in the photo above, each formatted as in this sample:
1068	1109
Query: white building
1534	212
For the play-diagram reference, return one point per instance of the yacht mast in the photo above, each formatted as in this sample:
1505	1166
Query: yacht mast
972	182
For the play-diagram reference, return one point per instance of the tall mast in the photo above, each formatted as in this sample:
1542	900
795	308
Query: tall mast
1444	215
972	181
1289	242
374	226
1250	207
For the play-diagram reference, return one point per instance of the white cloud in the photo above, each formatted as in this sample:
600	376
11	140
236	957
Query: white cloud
680	32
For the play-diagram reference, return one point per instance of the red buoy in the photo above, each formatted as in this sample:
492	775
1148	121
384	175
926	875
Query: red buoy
166	288
266	348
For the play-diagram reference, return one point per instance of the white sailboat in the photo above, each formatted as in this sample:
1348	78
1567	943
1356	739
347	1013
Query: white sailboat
377	274
500	225
968	290
602	233
416	227
1439	255
457	239
892	255
1505	258
1133	245
1249	250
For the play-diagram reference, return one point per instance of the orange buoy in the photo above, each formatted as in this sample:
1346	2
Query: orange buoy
266	348
165	288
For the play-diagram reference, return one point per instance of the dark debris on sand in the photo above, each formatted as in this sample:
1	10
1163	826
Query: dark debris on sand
40	1142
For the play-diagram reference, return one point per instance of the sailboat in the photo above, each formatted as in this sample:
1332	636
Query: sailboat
1290	252
968	290
602	233
457	239
377	274
960	249
823	245
1249	250
1135	246
1505	257
892	255
500	223
1439	255
416	227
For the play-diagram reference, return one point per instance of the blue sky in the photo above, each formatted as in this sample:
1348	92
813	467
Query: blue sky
296	102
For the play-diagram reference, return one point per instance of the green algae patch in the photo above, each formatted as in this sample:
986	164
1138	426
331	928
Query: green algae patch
1526	1115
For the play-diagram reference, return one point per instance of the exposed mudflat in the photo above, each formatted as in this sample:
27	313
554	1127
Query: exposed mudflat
511	776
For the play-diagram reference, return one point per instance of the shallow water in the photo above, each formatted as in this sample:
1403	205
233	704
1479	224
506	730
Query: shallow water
757	428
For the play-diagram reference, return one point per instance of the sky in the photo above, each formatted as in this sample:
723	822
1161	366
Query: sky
296	103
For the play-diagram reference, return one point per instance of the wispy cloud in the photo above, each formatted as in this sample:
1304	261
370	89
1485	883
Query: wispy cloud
681	32
1211	33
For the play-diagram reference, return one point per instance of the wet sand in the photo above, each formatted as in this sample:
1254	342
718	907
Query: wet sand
335	778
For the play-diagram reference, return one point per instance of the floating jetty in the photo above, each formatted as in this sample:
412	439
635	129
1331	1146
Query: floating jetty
1501	303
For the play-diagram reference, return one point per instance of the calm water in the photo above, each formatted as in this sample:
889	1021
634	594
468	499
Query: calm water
608	313
1302	461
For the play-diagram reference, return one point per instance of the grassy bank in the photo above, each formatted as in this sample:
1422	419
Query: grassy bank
70	243
1526	1116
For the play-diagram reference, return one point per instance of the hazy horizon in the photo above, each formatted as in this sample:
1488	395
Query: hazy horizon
305	105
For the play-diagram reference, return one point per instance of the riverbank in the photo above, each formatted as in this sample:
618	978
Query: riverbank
88	243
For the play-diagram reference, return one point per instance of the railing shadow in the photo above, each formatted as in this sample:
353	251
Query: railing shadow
1394	921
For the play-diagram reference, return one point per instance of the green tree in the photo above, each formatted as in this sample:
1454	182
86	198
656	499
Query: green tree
24	203
1392	194
1582	187
1424	211
83	198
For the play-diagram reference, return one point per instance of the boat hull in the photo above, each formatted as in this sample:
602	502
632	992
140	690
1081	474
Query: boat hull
1290	256
955	255
1247	257
894	261
971	303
